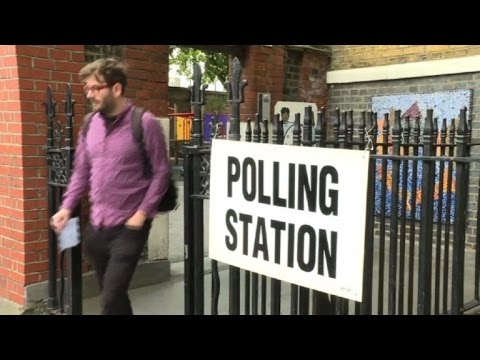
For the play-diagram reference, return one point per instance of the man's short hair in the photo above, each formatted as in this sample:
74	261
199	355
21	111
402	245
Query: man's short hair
109	70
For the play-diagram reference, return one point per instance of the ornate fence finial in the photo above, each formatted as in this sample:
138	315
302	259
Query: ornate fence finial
397	131
397	124
386	125
342	129
451	132
50	104
307	127
350	126
416	130
320	128
197	100
236	96
462	128
275	129
435	129
385	132
443	131
54	126
256	129
406	130
428	127
69	101
296	130
265	133
336	125
69	114
248	132
197	89
362	126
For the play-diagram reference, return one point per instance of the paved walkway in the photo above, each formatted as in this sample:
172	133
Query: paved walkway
167	298
162	299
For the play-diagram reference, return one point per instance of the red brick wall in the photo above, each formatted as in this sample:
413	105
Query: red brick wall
305	76
313	78
264	69
11	182
26	71
269	70
148	76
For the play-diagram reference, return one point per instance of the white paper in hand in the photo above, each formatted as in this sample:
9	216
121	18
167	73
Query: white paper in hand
70	235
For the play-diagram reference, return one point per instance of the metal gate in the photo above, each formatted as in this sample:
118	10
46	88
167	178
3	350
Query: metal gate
413	264
60	153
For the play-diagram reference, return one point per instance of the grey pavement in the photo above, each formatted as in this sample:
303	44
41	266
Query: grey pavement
162	299
167	298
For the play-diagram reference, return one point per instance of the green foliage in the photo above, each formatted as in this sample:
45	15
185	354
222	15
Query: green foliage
216	104
216	64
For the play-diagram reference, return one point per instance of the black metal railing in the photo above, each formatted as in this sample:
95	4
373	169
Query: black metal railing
60	154
416	216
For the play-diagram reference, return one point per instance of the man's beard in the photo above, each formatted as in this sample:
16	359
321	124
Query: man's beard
103	107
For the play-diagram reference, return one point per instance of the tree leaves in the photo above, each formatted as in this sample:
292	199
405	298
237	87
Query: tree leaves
216	64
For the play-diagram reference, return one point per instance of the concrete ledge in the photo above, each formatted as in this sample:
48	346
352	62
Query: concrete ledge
323	49
148	273
461	65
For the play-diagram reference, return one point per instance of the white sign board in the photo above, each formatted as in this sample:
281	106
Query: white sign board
295	214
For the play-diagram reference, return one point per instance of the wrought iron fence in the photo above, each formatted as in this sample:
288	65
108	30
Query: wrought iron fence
416	224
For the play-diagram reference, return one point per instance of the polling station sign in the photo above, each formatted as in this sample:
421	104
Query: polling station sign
296	214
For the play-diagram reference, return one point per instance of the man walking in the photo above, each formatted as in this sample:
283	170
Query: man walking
123	196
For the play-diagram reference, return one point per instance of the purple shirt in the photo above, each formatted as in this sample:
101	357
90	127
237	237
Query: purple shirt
109	163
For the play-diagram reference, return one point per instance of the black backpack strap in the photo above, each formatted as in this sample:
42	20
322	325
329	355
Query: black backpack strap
86	123
137	129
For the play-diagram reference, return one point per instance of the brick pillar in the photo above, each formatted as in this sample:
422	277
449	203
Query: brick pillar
312	83
264	70
26	71
305	76
148	77
288	75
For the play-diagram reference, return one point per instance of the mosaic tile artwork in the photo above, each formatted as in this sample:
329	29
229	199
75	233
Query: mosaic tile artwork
448	210
445	104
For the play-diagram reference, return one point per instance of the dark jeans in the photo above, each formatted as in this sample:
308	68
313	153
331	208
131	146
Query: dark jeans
114	253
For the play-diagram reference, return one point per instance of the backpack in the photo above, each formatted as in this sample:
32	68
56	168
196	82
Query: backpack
169	200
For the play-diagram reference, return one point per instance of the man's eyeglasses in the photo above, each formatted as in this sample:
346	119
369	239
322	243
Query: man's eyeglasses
94	89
